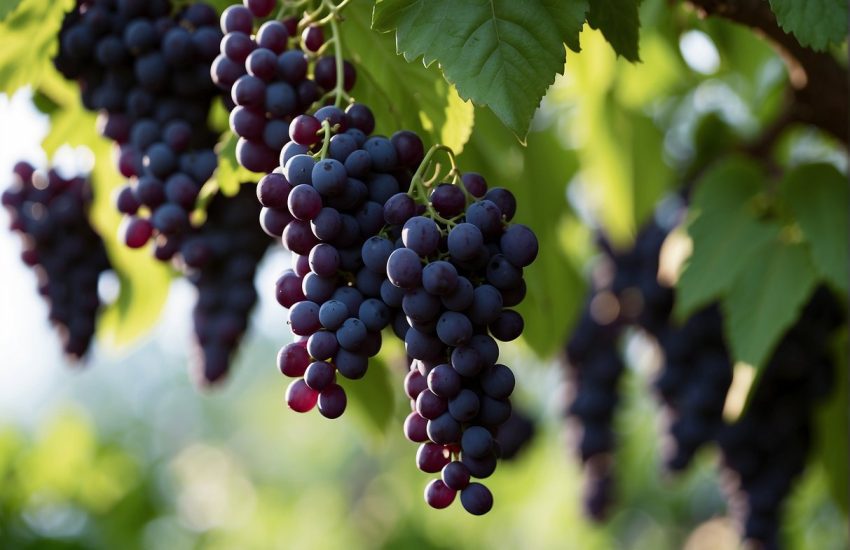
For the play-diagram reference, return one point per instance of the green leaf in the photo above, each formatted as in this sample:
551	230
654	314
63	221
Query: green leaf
725	233
144	281
7	7
30	37
831	420
815	23
501	54
619	22
230	175
773	285
403	95
372	396
818	195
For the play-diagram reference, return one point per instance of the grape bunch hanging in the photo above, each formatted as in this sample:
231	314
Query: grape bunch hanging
693	383
50	213
147	73
374	245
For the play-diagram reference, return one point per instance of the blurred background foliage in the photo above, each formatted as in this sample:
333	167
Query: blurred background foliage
127	454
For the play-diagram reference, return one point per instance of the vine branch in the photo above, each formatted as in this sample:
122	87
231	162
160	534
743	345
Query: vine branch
821	85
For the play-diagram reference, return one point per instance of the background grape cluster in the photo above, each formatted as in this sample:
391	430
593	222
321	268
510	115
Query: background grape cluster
220	259
50	213
148	75
763	452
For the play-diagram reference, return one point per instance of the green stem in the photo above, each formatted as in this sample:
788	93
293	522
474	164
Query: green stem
339	88
326	140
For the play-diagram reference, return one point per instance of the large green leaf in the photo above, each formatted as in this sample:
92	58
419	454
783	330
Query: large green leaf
144	281
832	422
773	284
818	194
620	24
815	23
30	37
502	53
725	233
403	95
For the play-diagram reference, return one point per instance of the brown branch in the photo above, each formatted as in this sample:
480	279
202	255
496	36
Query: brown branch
821	85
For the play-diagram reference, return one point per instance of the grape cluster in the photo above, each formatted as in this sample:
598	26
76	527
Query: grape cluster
371	250
220	259
148	74
455	275
595	368
625	292
324	211
68	256
266	74
768	447
693	384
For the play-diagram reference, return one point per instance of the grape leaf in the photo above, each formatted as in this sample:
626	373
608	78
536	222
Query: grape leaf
30	37
815	23
230	175
7	7
773	285
403	95
818	195
725	232
501	54
619	22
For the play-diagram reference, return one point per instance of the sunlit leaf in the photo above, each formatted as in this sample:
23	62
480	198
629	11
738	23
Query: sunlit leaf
772	286
620	24
725	233
815	23
30	38
403	95
818	194
501	54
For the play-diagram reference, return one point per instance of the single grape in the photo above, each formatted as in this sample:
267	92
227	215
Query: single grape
438	495
475	184
304	202
439	278
505	200
332	401
304	318
431	458
351	365
415	428
404	268
421	235
476	499
448	200
507	326
322	346
455	475
304	130
319	374
300	397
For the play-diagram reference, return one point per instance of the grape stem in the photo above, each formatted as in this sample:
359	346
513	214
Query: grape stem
339	88
419	186
326	139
